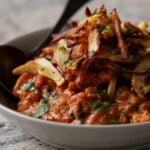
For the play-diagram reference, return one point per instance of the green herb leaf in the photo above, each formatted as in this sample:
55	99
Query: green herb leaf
113	121
42	109
30	86
101	92
54	94
44	101
100	106
124	114
70	63
104	106
46	92
100	29
42	69
91	53
107	27
66	62
101	11
72	114
62	48
96	104
81	116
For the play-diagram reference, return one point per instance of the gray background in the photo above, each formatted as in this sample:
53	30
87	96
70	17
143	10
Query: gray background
19	17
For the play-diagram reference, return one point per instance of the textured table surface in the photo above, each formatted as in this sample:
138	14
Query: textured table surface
19	17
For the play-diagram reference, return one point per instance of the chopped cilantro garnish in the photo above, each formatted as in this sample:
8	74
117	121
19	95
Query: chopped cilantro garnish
100	106
96	104
62	48
101	92
30	86
43	101
42	108
53	94
42	69
104	106
81	116
91	53
46	92
101	11
113	121
66	62
100	29
124	114
72	114
71	64
107	27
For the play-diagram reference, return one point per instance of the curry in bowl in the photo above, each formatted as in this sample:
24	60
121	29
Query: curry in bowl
97	72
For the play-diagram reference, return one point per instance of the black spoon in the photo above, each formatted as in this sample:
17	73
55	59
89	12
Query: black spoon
10	57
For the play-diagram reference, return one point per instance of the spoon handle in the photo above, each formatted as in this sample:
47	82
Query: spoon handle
71	7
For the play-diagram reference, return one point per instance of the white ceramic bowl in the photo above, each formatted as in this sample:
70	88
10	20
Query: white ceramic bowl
76	136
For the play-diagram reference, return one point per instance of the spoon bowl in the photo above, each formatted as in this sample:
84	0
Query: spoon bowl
10	57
